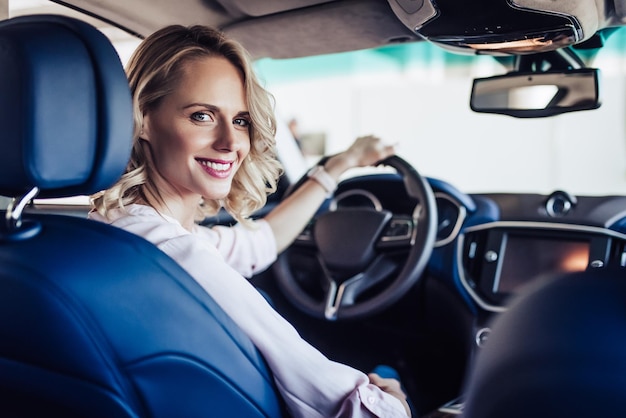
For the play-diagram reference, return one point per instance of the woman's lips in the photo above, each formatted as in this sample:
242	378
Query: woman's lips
218	169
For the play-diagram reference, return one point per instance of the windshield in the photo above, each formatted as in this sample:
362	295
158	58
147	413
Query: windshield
418	97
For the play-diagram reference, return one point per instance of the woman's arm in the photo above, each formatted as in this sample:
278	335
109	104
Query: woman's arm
290	217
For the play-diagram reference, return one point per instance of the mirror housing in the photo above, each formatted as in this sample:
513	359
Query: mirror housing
543	84
534	95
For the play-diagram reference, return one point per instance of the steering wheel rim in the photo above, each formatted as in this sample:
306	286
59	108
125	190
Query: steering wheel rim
340	296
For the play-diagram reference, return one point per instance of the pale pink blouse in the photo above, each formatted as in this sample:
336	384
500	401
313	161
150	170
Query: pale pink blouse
218	258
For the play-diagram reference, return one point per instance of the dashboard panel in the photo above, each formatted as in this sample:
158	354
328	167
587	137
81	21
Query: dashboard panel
499	259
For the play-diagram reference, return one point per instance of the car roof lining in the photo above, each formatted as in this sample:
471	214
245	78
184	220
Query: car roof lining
297	28
331	26
266	7
327	28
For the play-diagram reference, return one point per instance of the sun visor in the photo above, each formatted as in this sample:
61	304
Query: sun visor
501	27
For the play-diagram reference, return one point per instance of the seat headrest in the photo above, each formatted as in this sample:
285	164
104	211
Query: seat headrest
65	108
558	351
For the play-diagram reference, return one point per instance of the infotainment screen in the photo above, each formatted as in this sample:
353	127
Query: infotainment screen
525	257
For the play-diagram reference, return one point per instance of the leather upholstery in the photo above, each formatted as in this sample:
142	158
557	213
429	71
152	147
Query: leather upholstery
65	108
95	321
559	351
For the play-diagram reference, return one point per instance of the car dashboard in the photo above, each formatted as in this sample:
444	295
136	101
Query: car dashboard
490	246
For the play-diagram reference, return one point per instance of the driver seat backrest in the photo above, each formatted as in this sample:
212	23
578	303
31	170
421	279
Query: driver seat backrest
559	351
96	321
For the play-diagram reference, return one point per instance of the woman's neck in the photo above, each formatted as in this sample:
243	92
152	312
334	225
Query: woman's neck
184	212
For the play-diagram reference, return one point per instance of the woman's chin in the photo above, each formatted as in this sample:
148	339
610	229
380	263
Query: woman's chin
217	194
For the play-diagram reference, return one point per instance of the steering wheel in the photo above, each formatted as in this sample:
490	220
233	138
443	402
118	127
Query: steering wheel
365	259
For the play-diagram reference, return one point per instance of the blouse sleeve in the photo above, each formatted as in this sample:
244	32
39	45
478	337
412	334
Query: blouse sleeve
311	385
248	251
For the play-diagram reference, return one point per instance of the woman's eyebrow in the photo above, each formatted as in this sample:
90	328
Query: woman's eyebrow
213	108
204	105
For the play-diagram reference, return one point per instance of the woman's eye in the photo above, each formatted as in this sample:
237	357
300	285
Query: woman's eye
244	123
201	117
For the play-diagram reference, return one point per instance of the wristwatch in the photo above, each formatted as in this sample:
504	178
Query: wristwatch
321	176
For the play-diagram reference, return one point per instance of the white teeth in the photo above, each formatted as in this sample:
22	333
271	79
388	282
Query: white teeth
215	166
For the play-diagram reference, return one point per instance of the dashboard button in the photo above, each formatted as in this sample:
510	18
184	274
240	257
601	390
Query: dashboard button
491	256
596	264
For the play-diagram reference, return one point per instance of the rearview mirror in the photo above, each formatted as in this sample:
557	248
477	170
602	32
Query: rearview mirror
535	95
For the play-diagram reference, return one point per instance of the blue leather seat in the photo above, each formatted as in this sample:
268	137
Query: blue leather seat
94	321
559	351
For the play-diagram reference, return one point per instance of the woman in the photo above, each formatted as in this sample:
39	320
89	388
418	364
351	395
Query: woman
204	139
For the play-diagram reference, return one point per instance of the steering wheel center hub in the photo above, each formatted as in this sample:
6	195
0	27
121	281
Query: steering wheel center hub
358	231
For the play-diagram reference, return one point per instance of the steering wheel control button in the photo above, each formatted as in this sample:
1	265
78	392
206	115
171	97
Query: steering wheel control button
398	229
491	256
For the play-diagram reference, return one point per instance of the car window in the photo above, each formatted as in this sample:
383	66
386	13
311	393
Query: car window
418	96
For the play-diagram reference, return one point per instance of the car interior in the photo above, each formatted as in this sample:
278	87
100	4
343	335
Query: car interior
488	303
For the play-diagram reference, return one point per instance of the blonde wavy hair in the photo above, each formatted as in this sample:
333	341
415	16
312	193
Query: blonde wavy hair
153	72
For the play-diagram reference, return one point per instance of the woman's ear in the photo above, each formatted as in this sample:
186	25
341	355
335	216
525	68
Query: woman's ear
144	133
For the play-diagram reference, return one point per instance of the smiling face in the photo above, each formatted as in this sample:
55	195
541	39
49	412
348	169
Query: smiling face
199	134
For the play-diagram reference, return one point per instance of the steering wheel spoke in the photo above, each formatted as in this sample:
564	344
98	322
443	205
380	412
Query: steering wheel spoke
346	293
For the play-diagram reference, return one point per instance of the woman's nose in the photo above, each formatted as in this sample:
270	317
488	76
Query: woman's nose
227	139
